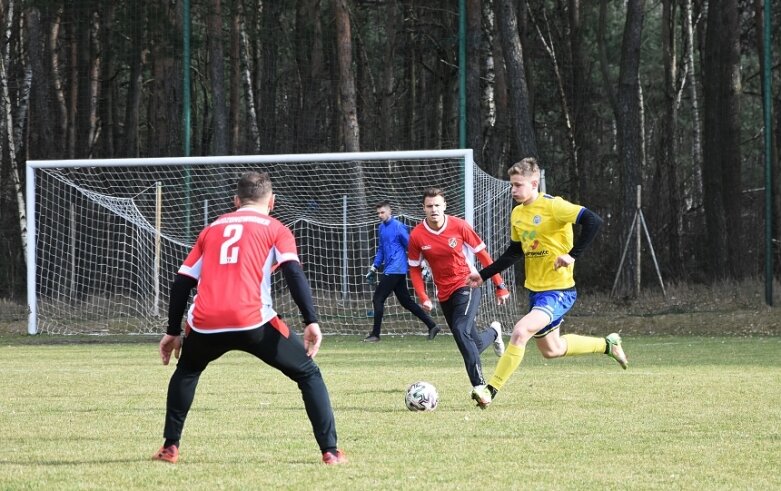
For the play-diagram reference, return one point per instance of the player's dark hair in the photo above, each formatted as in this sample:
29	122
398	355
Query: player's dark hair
433	193
253	186
382	204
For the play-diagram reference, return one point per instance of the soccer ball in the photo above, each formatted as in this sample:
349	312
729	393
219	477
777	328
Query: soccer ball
421	396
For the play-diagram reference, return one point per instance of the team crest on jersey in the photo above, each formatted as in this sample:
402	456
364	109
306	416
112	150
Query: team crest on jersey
537	219
452	242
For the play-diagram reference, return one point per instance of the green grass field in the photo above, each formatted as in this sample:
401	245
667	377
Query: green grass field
690	413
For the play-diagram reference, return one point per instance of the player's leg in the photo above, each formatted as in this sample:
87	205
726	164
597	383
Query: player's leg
460	311
287	354
512	357
552	345
405	300
486	337
384	288
198	350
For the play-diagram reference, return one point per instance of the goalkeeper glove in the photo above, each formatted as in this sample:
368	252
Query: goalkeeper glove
371	276
502	293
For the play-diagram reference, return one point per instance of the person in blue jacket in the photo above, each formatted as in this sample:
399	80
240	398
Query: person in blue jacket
393	238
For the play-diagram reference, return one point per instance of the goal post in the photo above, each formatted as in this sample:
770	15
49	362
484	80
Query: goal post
106	237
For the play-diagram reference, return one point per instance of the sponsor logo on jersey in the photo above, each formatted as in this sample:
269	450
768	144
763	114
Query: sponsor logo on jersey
425	247
534	254
452	242
535	244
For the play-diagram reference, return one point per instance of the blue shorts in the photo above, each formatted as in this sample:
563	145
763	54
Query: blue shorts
555	303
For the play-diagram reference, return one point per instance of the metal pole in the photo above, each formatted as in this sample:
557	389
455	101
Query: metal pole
186	112
639	245
462	73
767	110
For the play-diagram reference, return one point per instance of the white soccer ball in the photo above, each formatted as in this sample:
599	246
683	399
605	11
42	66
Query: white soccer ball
421	396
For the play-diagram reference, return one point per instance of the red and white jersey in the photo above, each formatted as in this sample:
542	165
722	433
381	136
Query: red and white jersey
446	251
232	261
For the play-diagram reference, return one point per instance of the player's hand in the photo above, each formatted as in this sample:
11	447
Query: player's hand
312	339
371	276
502	294
168	345
563	261
474	280
427	305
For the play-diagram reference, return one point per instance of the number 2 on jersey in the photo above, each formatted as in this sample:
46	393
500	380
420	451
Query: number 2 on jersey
229	254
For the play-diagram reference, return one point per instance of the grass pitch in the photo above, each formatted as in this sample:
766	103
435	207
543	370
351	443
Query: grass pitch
689	413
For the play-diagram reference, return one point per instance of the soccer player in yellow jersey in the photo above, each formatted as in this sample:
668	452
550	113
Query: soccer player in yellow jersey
541	233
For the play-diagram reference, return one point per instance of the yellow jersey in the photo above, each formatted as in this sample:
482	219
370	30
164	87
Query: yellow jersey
544	228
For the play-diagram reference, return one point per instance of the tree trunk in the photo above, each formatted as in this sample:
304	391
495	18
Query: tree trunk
61	118
234	109
73	82
583	113
629	125
392	27
668	163
348	106
246	64
41	141
106	106
496	155
133	99
217	79
520	109
550	48
721	156
474	58
695	191
16	181
165	102
266	78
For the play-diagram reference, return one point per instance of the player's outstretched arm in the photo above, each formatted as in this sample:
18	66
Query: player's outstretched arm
509	257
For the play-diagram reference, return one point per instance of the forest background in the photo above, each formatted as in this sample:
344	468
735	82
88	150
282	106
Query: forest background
607	95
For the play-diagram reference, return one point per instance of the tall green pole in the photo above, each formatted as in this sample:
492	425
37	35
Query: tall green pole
186	116
462	73
766	92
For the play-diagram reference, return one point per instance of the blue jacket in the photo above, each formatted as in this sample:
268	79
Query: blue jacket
393	238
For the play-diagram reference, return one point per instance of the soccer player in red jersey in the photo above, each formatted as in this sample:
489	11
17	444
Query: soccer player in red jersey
444	241
231	265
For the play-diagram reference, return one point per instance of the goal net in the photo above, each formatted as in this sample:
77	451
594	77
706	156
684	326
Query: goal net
109	235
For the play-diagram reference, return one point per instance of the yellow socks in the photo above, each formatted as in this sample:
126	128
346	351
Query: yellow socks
507	364
582	345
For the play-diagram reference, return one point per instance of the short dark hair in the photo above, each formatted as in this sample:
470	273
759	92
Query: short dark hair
382	204
253	186
433	193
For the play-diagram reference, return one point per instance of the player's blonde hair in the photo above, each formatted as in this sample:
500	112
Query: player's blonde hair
253	186
526	167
